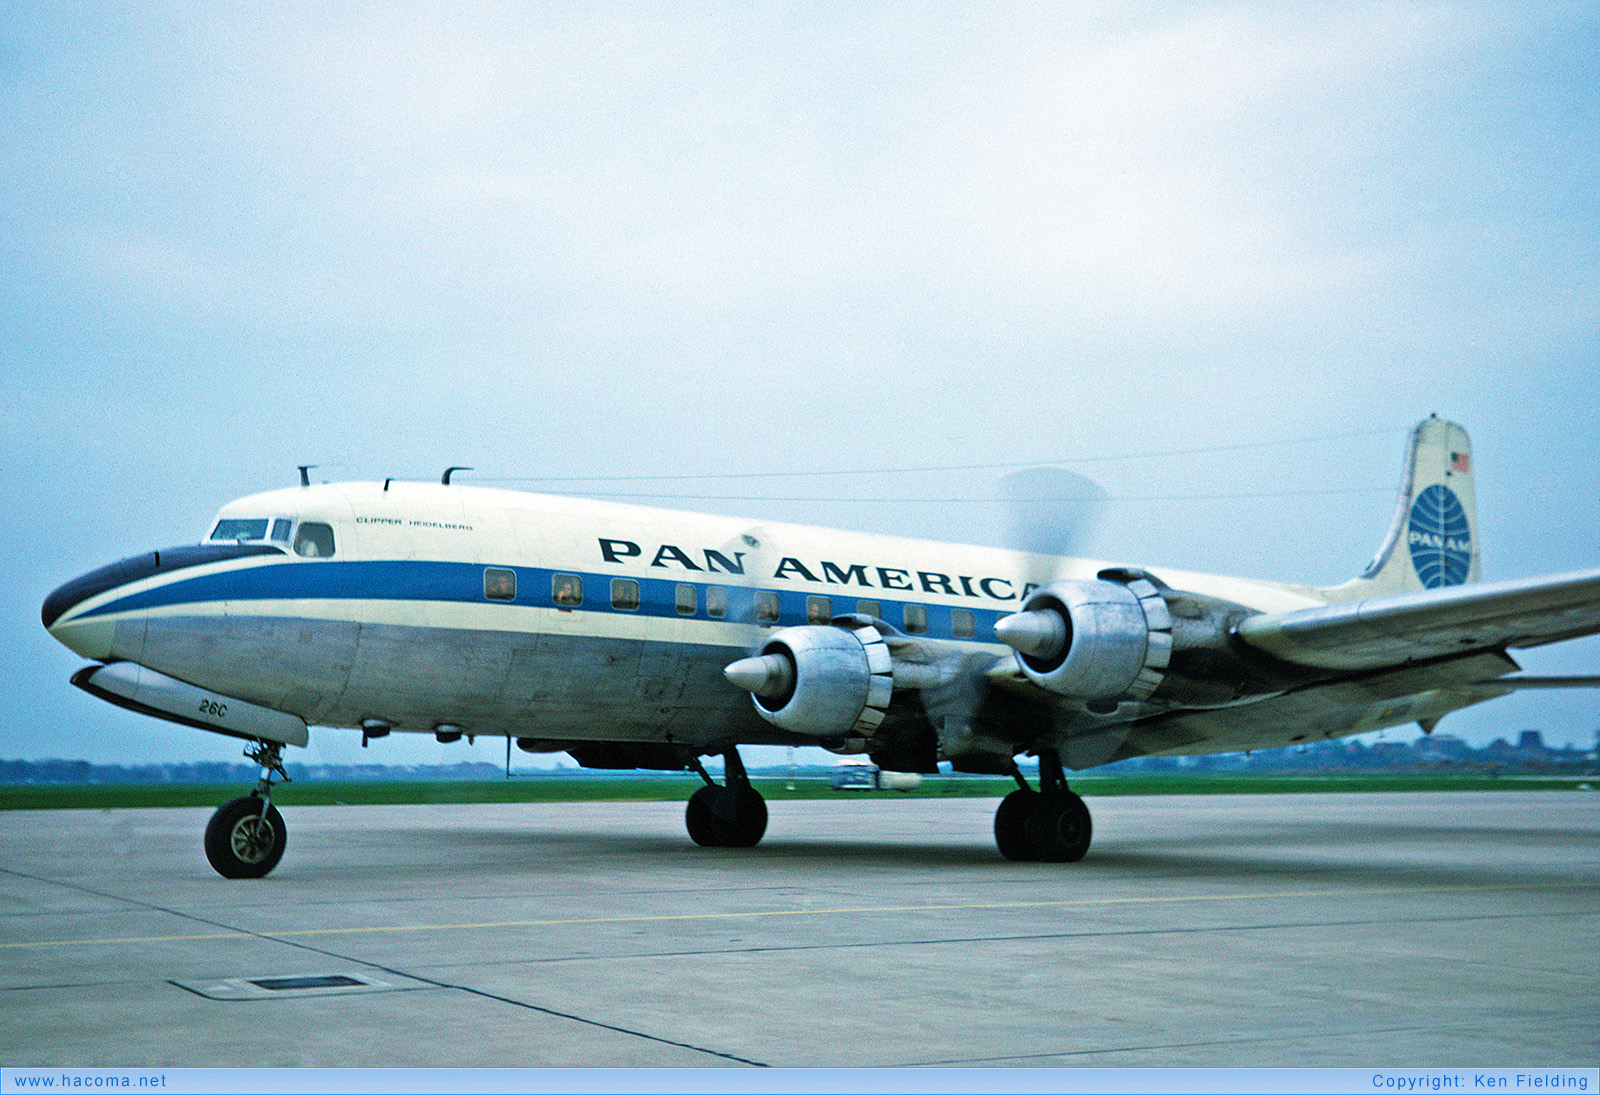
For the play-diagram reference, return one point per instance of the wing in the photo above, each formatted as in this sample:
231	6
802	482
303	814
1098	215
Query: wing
1353	704
1388	631
1345	668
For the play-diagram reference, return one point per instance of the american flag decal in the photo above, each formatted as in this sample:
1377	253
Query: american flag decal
1460	461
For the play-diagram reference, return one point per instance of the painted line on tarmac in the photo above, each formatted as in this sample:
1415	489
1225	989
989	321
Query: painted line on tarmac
377	929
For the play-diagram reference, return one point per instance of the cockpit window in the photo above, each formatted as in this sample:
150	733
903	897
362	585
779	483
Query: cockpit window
280	529
314	540
240	528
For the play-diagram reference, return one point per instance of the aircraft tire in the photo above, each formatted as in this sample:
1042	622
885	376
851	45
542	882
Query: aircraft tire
740	817
1059	828
236	844
1011	825
698	820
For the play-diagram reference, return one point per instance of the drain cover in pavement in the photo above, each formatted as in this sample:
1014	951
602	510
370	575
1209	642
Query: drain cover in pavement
266	988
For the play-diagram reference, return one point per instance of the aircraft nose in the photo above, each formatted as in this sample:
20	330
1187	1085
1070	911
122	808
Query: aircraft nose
67	615
91	636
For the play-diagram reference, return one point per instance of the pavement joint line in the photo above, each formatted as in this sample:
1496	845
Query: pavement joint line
944	941
373	929
716	952
526	1005
1277	1037
420	978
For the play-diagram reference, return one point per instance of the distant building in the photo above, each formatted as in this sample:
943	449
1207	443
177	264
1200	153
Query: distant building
1441	748
1390	754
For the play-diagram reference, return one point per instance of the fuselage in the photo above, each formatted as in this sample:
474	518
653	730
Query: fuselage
545	618
631	637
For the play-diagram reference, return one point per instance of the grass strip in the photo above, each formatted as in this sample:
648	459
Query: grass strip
632	788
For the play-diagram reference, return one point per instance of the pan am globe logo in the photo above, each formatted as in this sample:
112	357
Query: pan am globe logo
1440	538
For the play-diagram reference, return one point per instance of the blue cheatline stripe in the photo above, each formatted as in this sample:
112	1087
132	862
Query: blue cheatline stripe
462	583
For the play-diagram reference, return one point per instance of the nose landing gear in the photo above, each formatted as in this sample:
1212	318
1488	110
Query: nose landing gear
245	837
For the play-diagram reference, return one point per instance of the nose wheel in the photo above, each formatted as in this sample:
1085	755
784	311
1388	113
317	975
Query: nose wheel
1050	825
246	836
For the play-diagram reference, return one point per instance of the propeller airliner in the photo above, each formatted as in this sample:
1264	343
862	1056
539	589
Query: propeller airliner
634	637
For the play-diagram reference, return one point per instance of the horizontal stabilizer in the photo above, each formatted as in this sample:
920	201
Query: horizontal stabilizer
1511	683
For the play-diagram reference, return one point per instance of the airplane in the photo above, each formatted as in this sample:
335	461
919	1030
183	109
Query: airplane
635	637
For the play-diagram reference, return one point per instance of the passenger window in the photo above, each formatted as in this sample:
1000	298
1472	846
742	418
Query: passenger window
819	610
624	594
314	540
280	529
916	620
766	607
687	600
566	589
870	608
716	602
499	584
240	528
961	623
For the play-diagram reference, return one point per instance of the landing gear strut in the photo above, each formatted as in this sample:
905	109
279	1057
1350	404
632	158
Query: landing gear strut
245	837
733	815
1050	825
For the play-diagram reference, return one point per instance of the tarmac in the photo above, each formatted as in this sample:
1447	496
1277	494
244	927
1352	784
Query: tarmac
869	929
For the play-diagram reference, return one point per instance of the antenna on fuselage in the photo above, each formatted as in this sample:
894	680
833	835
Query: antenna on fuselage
446	478
305	478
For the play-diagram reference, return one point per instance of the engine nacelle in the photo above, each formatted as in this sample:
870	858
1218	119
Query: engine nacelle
1094	640
823	682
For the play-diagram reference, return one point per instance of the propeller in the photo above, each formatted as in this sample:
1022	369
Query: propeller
768	675
749	547
1051	512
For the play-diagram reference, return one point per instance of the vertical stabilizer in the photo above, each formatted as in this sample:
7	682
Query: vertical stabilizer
1433	539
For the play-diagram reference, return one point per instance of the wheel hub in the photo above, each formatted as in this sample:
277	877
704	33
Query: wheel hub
252	839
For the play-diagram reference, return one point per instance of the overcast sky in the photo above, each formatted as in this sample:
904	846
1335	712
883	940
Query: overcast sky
1219	257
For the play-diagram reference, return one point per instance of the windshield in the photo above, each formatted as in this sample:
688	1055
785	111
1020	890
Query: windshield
240	529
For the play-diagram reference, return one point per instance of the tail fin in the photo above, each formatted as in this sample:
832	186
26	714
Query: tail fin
1433	539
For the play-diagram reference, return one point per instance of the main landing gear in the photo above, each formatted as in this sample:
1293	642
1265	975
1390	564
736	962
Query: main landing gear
733	815
245	837
1050	825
